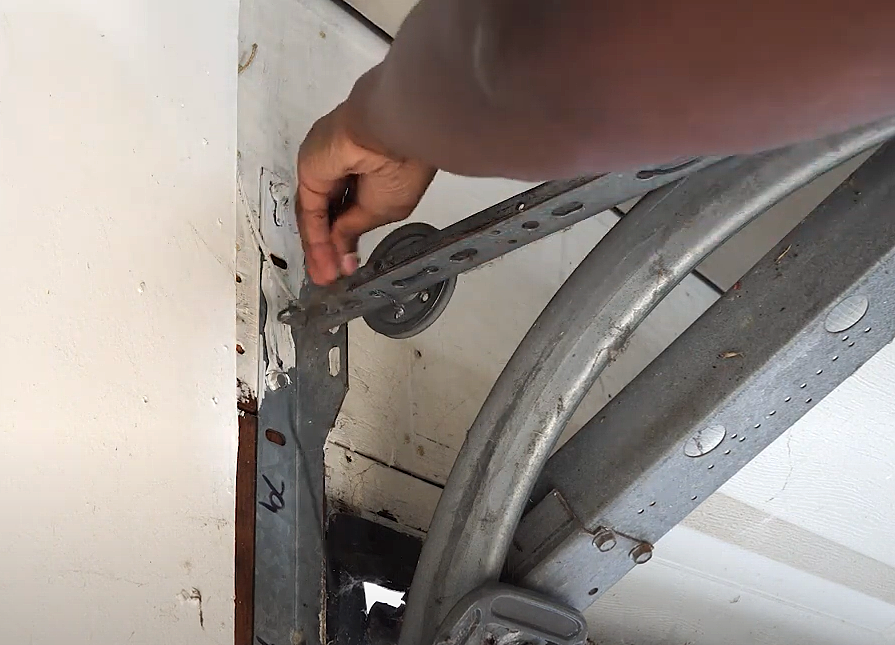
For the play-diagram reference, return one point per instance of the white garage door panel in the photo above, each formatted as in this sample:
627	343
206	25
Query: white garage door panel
744	571
832	472
731	521
715	593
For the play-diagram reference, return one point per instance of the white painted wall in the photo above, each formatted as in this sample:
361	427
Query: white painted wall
117	397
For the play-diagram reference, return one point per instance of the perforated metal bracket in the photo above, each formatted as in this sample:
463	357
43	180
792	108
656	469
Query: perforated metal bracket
294	419
478	239
501	613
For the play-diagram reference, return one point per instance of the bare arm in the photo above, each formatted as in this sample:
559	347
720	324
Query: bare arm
540	89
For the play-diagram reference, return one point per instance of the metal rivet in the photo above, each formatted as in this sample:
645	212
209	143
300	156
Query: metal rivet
604	540
846	314
703	441
641	553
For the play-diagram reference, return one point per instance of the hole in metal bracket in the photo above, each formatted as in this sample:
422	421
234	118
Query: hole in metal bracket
275	437
567	209
335	361
464	255
278	262
530	226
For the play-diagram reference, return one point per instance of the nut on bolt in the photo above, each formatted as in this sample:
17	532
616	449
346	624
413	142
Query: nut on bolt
641	553
604	540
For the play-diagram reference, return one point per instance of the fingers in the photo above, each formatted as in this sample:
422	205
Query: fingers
312	213
322	166
346	231
388	190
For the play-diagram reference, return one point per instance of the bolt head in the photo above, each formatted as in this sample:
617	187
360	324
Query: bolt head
277	380
642	553
604	540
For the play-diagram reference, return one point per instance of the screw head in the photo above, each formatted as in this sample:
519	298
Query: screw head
642	553
604	540
277	380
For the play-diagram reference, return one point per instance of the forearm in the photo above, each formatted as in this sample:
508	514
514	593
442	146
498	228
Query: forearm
537	90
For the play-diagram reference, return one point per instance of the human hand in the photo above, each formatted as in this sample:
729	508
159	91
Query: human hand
387	190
